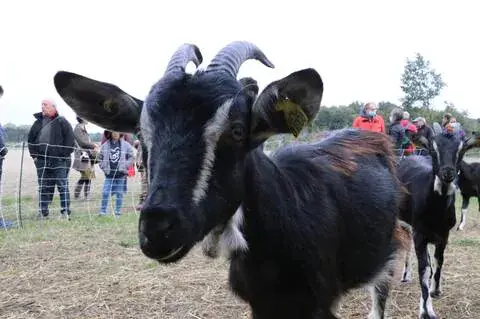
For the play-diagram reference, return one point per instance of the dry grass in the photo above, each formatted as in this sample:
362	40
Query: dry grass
92	267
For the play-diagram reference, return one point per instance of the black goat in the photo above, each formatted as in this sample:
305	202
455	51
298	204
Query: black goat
469	185
429	208
314	220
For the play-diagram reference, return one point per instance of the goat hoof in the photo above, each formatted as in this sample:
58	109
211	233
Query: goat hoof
407	280
436	294
426	316
459	228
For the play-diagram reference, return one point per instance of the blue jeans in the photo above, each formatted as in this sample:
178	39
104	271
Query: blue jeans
51	172
113	186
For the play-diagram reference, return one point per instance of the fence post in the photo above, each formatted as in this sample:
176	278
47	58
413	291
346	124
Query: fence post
20	187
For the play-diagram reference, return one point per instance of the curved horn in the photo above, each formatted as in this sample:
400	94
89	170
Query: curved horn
185	53
231	57
1	91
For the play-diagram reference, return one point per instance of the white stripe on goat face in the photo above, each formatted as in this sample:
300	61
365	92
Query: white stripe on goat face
435	147
213	130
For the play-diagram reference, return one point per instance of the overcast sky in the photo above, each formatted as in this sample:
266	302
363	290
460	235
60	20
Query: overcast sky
358	47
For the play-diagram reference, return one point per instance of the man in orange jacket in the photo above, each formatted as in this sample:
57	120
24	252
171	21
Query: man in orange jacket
369	119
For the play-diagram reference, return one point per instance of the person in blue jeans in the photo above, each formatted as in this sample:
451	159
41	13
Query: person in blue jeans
115	156
51	144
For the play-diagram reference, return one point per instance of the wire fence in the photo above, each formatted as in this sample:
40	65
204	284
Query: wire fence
29	188
43	184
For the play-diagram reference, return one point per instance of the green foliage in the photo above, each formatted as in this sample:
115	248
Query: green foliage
420	82
14	133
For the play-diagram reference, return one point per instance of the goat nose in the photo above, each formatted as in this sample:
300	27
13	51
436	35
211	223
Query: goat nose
448	174
157	221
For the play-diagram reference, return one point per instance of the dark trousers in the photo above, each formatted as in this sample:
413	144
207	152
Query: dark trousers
79	185
51	172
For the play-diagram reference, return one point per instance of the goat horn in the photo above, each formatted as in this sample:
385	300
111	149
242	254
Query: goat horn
185	53
231	57
1	91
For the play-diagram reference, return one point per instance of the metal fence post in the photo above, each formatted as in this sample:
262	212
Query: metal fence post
19	208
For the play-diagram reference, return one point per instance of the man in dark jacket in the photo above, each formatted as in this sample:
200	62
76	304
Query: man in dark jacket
51	143
423	129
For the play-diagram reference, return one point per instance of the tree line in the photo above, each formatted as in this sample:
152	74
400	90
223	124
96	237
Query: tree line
420	83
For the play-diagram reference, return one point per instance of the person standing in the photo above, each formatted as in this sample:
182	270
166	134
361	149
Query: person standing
3	147
423	130
116	155
397	131
4	224
51	143
84	158
369	119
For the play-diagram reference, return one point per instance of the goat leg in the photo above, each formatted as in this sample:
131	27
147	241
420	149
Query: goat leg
463	218
435	287
424	275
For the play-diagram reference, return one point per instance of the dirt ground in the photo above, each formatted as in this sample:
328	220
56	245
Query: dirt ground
91	267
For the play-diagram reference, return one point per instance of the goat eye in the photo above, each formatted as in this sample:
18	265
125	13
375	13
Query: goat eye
238	132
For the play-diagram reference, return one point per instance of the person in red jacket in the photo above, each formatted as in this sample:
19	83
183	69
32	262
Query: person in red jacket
410	131
369	119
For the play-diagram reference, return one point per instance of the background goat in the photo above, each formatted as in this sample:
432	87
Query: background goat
469	184
429	208
316	219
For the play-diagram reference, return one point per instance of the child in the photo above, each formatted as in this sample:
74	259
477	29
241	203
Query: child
116	155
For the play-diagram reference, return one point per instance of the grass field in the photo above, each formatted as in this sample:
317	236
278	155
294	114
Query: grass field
91	267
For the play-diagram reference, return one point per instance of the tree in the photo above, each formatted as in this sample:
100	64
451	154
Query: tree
420	83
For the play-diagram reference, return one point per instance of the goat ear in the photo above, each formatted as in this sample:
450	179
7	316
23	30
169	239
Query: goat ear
100	103
286	105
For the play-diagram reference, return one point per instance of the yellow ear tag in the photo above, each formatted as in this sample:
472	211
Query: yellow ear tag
295	118
107	105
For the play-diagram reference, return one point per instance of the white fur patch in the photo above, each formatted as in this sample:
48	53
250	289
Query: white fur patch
407	270
433	282
375	312
232	238
428	303
460	146
384	277
437	187
463	219
435	147
226	239
213	130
